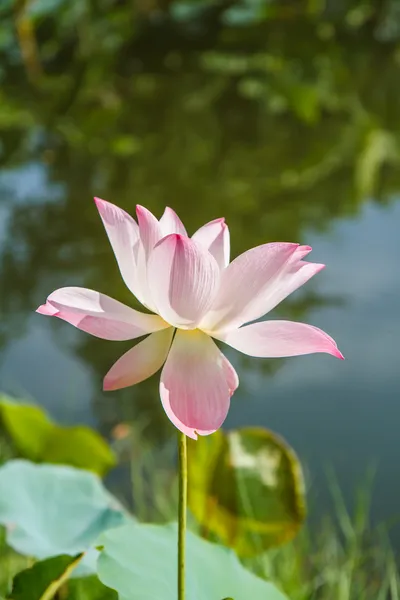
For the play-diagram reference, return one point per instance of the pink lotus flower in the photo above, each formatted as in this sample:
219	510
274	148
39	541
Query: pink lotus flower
196	295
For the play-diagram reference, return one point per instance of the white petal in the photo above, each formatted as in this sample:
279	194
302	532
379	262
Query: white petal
171	223
273	339
123	233
99	314
215	237
140	362
196	384
150	234
149	228
247	285
183	279
296	273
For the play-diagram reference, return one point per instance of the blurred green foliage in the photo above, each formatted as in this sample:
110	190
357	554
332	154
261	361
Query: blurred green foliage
36	437
281	116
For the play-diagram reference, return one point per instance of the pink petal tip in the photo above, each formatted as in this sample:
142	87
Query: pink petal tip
47	309
171	236
99	202
108	385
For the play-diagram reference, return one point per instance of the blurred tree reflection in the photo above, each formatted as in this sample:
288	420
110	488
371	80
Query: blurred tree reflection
281	116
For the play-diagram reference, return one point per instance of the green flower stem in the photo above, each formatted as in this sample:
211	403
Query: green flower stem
182	514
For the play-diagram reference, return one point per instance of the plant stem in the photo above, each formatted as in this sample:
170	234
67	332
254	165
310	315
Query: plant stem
182	511
54	587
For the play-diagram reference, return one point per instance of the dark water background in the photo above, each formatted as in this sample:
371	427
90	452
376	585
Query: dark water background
281	116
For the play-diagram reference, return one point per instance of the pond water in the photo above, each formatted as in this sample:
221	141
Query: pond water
287	127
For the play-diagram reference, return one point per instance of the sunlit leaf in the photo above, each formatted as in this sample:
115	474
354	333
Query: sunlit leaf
27	425
38	438
78	446
140	561
44	579
50	510
246	487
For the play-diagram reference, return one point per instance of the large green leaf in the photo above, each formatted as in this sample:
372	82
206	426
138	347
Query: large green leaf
50	510
39	439
246	487
140	561
44	579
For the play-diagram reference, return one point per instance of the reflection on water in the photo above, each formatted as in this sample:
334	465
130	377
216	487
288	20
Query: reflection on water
284	121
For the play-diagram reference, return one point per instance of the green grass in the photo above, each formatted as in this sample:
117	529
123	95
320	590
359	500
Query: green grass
342	558
330	566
